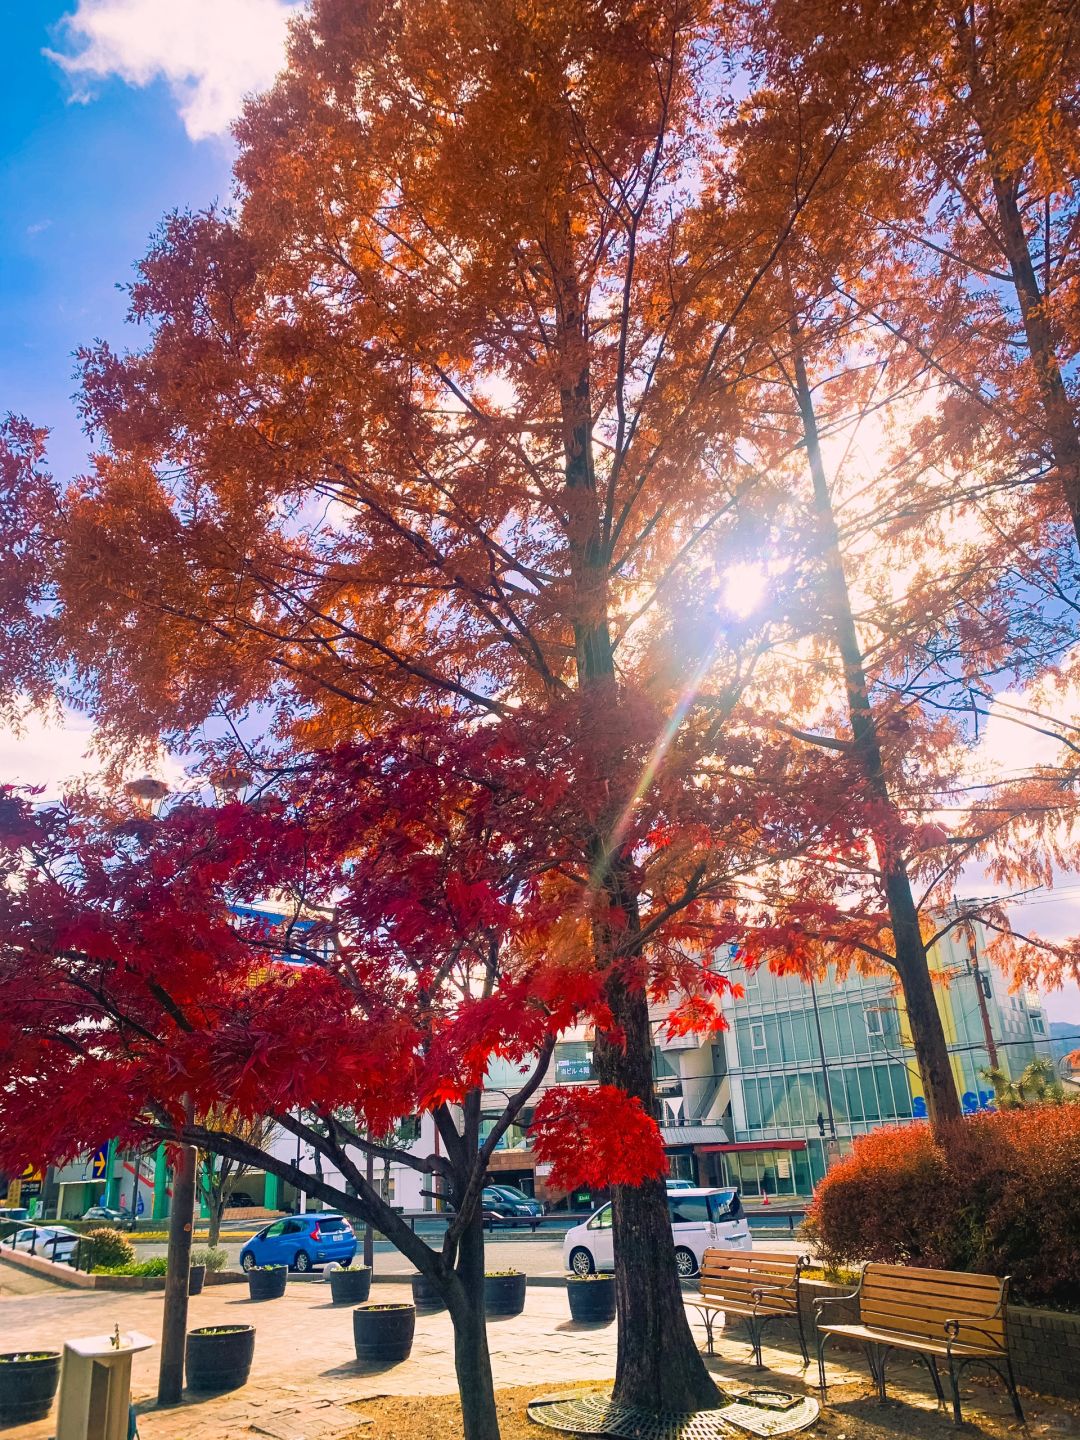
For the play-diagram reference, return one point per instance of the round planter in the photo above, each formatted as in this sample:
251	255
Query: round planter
219	1357
505	1294
427	1297
27	1387
383	1334
196	1278
592	1301
268	1284
350	1287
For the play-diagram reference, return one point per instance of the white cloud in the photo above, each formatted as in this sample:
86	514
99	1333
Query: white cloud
210	53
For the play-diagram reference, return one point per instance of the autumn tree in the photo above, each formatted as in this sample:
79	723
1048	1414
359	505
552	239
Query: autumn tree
437	421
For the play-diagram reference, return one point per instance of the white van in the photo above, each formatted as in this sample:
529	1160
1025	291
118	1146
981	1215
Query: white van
699	1218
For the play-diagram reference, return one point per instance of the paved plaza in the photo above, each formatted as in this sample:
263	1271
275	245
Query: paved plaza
307	1385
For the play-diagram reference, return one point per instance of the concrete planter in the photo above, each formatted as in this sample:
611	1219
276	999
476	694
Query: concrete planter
350	1287
27	1385
383	1334
267	1283
218	1357
505	1294
592	1299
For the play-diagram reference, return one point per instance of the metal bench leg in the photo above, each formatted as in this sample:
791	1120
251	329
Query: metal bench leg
755	1341
802	1338
710	1318
931	1365
821	1339
1013	1393
954	1381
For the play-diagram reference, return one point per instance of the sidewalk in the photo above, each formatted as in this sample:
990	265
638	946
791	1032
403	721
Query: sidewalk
307	1385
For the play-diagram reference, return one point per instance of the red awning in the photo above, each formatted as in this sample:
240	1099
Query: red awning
756	1145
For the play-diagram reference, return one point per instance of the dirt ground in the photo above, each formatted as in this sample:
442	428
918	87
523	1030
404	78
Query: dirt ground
853	1413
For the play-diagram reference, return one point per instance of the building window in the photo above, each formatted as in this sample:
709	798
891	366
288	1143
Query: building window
875	1023
1037	1025
757	1036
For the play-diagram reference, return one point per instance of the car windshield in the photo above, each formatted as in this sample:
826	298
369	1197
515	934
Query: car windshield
331	1222
724	1205
509	1193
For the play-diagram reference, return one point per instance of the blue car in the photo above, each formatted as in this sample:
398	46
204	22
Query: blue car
301	1242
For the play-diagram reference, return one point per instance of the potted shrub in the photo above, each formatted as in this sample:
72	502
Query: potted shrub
28	1380
504	1292
218	1357
592	1298
427	1297
383	1334
204	1259
350	1284
267	1282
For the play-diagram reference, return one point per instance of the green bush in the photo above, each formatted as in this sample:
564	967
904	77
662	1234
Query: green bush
996	1194
111	1247
158	1265
212	1257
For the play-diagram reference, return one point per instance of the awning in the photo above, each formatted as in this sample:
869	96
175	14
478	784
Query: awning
757	1145
675	1136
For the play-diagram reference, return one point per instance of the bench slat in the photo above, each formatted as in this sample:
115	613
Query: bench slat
907	1342
913	1277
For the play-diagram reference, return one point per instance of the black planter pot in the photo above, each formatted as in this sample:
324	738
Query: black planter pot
196	1277
219	1361
504	1294
268	1284
427	1297
350	1287
383	1334
592	1302
27	1387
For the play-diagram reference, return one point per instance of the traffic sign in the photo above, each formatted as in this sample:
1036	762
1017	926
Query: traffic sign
99	1165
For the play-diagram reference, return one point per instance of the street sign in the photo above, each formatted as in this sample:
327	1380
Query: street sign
99	1164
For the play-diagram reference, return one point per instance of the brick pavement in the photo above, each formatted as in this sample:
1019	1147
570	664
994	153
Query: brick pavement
307	1385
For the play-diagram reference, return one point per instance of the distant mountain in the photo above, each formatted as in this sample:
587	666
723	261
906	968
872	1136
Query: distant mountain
1064	1038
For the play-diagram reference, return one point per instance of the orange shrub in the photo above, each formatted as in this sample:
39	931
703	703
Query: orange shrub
997	1193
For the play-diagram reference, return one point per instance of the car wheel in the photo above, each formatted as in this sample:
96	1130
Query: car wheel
581	1262
685	1262
249	1261
302	1262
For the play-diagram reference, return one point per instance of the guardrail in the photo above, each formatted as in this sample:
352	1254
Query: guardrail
80	1256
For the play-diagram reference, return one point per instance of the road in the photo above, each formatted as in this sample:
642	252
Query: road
538	1254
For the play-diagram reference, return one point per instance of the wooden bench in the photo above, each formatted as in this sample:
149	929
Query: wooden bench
758	1286
934	1314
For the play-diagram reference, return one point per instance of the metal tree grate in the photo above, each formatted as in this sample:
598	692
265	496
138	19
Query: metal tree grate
597	1415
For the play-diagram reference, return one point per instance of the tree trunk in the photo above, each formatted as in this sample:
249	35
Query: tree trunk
217	1210
174	1313
1061	426
658	1365
472	1360
927	1031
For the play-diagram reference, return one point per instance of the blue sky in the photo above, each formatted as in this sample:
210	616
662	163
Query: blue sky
90	162
117	111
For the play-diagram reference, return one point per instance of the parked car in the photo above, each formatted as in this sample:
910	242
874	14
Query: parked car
699	1218
107	1212
14	1212
54	1242
301	1242
239	1200
680	1184
503	1205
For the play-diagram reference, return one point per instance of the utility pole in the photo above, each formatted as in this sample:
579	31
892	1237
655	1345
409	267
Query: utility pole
980	993
821	1053
174	1320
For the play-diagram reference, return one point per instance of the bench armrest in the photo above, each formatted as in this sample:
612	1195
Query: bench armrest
824	1300
953	1327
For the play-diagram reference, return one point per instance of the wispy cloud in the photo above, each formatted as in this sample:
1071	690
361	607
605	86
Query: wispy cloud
210	53
38	226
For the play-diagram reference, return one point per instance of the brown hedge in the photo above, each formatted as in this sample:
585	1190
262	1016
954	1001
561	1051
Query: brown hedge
997	1193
